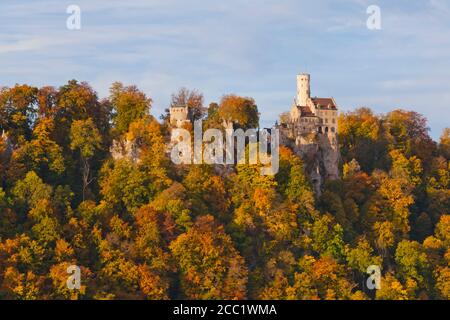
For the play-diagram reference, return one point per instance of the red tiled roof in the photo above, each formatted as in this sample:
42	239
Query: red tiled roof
306	112
324	103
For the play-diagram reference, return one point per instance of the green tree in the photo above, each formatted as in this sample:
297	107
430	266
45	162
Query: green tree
412	262
129	104
31	190
327	238
361	257
124	185
42	154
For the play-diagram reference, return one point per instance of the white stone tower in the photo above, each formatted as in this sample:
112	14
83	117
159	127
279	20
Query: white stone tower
303	89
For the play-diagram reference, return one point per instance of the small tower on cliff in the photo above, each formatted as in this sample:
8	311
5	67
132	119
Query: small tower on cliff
179	115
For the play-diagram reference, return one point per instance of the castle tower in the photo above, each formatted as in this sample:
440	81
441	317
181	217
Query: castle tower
179	115
303	89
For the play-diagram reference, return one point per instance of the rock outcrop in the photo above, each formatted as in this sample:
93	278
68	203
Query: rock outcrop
124	148
320	155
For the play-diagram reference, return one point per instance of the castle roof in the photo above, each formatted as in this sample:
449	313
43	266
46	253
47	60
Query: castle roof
306	112
324	103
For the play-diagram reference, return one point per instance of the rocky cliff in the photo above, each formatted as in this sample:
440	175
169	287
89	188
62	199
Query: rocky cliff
320	154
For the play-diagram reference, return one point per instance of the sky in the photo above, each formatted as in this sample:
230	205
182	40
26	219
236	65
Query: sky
251	48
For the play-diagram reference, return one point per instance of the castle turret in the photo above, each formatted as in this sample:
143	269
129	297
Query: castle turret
303	89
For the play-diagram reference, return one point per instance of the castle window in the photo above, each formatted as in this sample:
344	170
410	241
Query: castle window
334	121
326	120
326	129
333	129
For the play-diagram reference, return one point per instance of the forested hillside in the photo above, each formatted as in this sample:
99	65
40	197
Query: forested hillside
147	229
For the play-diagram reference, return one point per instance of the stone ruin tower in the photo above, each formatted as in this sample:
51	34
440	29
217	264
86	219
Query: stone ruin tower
180	115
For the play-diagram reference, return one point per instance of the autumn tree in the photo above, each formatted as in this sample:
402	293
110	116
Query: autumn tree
147	138
58	275
207	191
85	138
47	102
240	111
444	144
438	254
129	104
412	263
22	261
393	289
322	278
155	231
210	266
124	185
41	154
408	132
150	229
18	111
174	202
78	101
361	137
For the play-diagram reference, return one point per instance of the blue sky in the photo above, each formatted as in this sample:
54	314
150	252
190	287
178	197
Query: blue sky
248	47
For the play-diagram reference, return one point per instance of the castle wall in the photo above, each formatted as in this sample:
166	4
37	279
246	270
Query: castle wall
328	119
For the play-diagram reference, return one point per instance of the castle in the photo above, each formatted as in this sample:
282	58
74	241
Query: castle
309	114
310	129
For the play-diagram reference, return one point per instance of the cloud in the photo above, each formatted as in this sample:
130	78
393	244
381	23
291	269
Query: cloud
249	47
21	45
